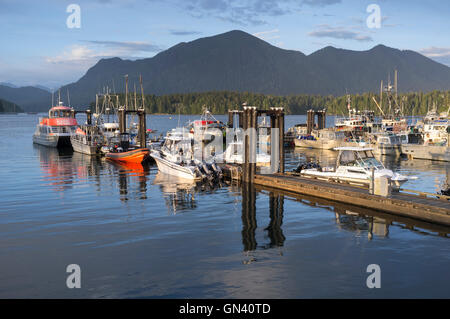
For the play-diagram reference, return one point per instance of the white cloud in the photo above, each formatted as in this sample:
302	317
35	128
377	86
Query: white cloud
439	54
433	52
267	35
326	31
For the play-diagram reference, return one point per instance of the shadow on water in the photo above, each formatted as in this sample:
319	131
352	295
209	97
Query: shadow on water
360	220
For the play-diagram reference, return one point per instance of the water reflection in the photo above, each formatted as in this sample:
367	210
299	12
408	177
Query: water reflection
363	221
61	167
249	223
179	193
139	173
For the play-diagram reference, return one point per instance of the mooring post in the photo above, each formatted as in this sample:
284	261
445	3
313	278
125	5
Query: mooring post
245	119
274	140
122	120
253	142
281	146
309	121
88	117
230	118
142	128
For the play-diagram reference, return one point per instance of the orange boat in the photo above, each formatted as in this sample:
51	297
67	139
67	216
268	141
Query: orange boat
132	156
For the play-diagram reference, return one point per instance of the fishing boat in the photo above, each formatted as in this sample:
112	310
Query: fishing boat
176	157
87	139
124	152
326	139
354	165
386	143
56	129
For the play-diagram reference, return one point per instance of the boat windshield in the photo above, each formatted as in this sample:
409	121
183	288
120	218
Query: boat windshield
367	160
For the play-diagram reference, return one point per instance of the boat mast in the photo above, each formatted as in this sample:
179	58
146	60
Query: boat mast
142	92
126	92
381	97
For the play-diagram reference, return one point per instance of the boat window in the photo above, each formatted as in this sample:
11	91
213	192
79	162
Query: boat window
347	158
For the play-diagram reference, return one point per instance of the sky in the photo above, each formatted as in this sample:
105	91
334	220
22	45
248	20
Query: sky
39	46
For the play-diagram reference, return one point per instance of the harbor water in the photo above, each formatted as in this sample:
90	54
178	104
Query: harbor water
139	234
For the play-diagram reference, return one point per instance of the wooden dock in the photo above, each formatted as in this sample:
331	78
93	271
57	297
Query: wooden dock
408	205
421	206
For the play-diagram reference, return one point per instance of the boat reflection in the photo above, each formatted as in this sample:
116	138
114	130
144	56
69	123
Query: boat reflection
60	167
179	193
131	171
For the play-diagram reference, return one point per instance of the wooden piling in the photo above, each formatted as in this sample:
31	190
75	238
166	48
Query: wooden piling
142	129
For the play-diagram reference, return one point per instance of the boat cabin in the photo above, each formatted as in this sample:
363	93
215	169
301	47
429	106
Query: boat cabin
357	157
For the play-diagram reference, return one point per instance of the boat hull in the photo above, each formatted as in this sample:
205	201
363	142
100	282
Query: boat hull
323	144
51	140
168	167
80	147
133	156
396	184
388	150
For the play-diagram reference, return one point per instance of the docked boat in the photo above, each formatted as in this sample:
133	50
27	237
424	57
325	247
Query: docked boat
326	139
354	165
386	144
56	129
87	139
176	157
436	132
124	152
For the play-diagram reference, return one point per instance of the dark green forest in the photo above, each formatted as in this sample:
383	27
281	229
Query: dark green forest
221	102
6	106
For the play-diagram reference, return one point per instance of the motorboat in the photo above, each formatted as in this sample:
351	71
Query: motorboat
176	157
56	129
354	165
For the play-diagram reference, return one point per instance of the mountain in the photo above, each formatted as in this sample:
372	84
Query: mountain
238	61
7	106
30	98
8	84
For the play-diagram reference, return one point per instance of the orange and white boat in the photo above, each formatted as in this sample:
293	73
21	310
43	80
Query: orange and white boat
137	155
123	152
56	129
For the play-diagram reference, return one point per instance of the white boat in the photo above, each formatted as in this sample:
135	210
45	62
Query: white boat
56	129
354	165
436	132
175	157
326	139
386	144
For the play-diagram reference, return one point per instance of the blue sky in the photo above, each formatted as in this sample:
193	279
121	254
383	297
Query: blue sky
39	48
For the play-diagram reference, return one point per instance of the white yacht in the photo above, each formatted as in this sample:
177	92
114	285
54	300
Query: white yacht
354	164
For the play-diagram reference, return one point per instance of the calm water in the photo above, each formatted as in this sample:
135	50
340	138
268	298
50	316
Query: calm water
136	233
